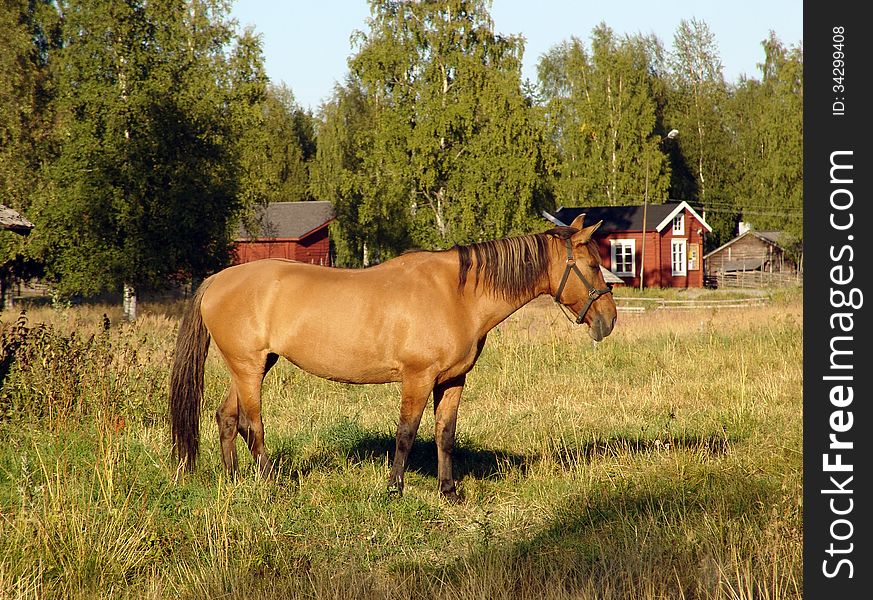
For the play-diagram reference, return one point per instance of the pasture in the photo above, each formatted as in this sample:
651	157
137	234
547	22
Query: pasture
664	462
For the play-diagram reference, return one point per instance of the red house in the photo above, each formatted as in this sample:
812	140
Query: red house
671	235
294	230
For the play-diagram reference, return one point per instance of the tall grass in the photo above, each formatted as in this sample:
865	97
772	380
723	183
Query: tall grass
664	462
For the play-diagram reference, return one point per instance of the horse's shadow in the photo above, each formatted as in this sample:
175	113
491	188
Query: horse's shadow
374	447
468	459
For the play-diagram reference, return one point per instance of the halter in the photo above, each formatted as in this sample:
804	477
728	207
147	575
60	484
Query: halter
593	293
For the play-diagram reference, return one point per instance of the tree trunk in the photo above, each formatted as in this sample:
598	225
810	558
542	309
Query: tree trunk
129	303
6	293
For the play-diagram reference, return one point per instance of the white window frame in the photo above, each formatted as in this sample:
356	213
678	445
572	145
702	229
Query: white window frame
621	243
679	224
682	265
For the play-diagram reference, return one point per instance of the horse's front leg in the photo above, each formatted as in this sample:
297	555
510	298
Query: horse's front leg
415	391
446	397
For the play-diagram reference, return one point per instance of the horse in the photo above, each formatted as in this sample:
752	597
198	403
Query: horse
420	319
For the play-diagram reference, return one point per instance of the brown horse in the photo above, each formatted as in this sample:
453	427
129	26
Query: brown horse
420	319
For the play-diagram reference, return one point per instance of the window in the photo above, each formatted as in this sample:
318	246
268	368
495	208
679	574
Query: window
623	257
679	224
677	253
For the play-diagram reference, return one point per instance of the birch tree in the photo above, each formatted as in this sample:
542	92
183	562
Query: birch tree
151	98
697	106
603	115
451	129
768	117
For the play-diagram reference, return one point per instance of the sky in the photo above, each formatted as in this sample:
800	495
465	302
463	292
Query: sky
306	43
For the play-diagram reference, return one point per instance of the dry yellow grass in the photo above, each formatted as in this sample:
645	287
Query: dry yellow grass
664	462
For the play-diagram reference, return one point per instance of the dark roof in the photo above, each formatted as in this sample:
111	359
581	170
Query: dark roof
619	218
289	220
12	220
774	237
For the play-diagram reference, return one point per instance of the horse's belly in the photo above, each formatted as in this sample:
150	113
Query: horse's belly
345	371
338	357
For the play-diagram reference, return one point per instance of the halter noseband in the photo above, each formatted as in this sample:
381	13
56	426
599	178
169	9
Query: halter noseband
593	293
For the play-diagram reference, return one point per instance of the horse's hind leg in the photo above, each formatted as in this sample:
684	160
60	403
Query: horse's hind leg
227	418
250	425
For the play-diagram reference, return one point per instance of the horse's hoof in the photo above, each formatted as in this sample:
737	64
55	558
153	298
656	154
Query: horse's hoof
452	497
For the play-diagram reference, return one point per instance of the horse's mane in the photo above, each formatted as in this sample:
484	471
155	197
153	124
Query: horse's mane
510	267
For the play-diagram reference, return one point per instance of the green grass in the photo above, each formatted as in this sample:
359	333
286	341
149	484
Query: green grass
663	463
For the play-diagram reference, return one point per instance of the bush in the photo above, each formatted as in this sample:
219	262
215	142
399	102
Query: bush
50	377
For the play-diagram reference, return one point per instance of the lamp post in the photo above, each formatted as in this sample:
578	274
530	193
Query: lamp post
670	135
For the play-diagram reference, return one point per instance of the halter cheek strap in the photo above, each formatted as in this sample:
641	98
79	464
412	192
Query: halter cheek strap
593	293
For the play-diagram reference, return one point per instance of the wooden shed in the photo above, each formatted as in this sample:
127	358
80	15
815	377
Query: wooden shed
293	230
10	220
753	258
670	234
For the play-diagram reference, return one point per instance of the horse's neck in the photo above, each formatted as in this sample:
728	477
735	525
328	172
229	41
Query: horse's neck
491	309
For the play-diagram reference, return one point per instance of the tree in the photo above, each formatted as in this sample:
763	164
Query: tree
768	117
451	136
146	186
369	202
27	36
603	113
291	147
696	106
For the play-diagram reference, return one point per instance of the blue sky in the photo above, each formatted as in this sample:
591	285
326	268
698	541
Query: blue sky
306	43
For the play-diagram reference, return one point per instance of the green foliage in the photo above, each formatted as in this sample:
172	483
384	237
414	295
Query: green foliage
442	141
602	107
27	35
369	200
768	118
696	104
153	100
136	135
739	152
291	146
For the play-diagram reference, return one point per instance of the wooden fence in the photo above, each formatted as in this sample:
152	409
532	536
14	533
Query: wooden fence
638	305
752	279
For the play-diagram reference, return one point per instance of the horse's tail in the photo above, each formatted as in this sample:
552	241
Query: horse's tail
186	381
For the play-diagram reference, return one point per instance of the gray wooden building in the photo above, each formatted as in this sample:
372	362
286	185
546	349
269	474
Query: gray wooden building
754	258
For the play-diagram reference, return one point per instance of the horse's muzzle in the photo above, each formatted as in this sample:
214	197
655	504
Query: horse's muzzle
600	327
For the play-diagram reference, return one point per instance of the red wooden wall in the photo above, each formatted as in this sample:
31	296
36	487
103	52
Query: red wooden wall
659	271
313	248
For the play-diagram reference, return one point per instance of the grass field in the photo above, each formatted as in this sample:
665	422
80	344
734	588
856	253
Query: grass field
664	462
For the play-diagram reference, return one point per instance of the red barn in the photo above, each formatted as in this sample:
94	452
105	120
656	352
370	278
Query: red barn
294	230
673	241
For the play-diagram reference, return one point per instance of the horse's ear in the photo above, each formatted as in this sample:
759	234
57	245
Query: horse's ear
584	234
578	221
